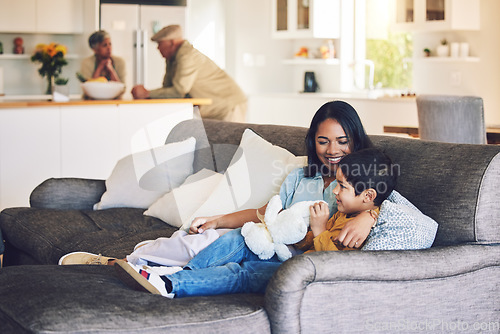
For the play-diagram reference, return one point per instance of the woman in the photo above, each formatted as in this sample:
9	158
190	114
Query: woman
102	63
335	132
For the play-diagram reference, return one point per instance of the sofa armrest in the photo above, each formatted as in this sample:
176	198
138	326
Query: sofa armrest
67	194
327	272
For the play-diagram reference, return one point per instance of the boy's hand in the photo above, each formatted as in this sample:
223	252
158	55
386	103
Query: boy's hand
319	214
356	231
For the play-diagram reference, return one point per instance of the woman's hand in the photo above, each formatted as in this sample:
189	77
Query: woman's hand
201	224
356	231
319	214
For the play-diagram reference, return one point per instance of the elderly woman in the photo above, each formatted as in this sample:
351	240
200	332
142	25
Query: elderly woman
102	63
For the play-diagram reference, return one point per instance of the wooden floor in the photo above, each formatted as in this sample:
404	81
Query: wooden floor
492	134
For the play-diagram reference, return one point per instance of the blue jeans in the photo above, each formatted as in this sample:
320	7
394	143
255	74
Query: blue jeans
225	266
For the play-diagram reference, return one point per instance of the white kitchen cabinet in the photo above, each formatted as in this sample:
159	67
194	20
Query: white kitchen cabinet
89	141
59	16
306	18
436	15
29	152
41	16
18	15
94	139
65	140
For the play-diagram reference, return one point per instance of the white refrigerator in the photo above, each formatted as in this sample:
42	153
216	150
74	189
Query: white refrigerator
131	27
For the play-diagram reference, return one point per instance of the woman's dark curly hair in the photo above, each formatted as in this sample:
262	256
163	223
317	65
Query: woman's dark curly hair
348	118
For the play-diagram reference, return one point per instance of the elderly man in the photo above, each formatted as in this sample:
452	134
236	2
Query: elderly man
192	74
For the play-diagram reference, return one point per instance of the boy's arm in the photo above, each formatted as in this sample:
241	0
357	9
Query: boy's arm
327	240
318	219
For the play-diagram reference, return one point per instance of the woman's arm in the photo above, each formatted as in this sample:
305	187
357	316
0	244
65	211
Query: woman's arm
231	220
112	73
356	231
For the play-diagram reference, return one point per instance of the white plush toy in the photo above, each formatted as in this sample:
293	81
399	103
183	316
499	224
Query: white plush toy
278	229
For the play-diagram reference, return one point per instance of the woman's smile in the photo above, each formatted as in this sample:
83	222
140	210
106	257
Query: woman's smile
335	160
332	143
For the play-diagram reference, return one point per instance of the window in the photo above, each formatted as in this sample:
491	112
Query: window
392	59
391	52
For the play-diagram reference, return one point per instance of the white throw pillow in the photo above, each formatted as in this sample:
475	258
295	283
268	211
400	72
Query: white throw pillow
179	204
254	175
141	178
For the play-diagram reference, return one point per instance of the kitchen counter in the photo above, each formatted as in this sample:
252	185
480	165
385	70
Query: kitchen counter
23	103
375	108
41	139
375	95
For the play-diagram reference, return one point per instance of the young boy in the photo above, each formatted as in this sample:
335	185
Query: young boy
364	180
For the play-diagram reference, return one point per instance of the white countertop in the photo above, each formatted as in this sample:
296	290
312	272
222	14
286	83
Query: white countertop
369	95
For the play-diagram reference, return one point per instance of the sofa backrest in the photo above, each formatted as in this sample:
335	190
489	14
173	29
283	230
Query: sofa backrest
458	185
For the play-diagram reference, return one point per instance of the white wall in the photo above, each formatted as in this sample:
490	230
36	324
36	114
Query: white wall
488	76
206	25
248	38
476	78
254	59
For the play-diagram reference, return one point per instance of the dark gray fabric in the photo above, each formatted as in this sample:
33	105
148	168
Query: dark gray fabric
451	119
67	194
328	291
47	234
91	299
488	209
288	137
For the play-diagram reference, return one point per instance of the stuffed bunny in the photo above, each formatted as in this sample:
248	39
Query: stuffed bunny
277	229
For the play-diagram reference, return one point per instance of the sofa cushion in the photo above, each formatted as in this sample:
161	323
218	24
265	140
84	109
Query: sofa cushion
91	299
179	204
401	225
254	175
45	235
447	183
141	178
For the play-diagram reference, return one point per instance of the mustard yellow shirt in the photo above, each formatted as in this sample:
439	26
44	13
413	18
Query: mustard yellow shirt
325	241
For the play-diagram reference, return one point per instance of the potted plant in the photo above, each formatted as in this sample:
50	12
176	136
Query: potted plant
51	56
443	50
60	92
427	52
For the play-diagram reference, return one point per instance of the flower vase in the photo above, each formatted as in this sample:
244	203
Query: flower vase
50	82
60	93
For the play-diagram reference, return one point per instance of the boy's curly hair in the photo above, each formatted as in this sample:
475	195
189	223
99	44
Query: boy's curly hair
370	168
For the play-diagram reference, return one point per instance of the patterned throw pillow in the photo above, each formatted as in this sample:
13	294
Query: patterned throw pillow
400	226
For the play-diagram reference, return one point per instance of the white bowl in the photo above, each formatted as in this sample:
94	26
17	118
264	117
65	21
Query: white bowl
103	90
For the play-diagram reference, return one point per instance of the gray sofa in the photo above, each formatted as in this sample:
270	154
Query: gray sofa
454	284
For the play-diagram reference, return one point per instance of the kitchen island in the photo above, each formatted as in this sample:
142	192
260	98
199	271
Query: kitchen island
297	109
40	139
